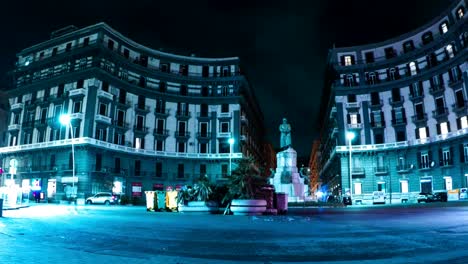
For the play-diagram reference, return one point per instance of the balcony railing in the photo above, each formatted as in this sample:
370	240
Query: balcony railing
182	134
398	102
162	112
14	127
17	106
182	115
142	108
224	134
378	104
402	168
380	170
378	124
437	89
204	135
121	124
115	147
419	118
77	116
203	115
141	129
225	115
103	119
161	132
354	126
105	95
77	92
353	105
440	112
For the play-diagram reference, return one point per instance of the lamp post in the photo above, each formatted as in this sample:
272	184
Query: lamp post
66	121
231	142
350	137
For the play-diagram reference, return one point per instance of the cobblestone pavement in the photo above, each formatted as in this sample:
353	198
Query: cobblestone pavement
93	234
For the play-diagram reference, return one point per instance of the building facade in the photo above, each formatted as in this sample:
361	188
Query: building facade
405	102
141	119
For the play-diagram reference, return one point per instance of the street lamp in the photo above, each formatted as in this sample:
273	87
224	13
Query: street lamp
350	137
231	142
66	121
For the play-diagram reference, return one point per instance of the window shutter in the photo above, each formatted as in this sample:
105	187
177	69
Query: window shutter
354	79
348	118
353	61
458	123
438	129
411	90
418	157
403	114
448	126
342	60
382	118
359	118
377	78
372	118
451	156
462	153
416	132
388	74
366	76
430	156
427	131
450	74
441	159
408	70
393	115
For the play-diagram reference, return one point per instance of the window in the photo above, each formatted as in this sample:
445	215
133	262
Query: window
86	41
401	135
357	188
183	90
203	148
105	86
162	87
448	183
224	170
140	122
120	117
181	128
460	12
158	169
224	147
77	107
412	68
424	160
389	53
408	46
165	67
464	153
369	57
225	108
459	98
443	128
119	139
381	187
117	165
444	27
224	91
139	143
351	98
181	147
354	118
80	83
446	158
126	53
101	134
98	161
449	51
160	126
137	167
422	133
224	127
463	122
110	44
54	51
427	37
348	61
159	145
102	109
160	106
68	47
202	169
375	98
180	171
204	91
404	186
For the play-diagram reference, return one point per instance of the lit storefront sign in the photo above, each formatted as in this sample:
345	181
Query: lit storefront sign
36	184
136	189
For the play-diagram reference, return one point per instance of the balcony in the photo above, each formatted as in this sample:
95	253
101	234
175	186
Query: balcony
419	119
440	113
77	93
77	116
17	107
161	133
124	104
456	81
160	112
203	136
121	125
358	173
399	122
14	127
460	109
184	135
379	124
225	115
404	168
28	124
354	126
381	170
415	98
376	105
437	90
142	108
224	134
103	119
353	105
397	102
446	163
105	95
140	129
203	115
183	115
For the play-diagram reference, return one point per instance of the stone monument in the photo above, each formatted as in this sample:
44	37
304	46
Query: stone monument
286	177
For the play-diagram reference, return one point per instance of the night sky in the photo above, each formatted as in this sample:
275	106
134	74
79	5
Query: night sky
282	44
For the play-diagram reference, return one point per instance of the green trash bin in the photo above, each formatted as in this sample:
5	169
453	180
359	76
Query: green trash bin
161	200
150	200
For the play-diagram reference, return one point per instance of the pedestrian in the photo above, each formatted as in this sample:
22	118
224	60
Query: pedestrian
37	196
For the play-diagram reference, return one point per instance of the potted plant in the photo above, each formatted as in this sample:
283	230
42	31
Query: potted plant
196	199
243	183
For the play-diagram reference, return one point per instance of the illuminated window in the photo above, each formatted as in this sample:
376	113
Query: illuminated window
448	183
422	133
413	69
353	118
444	128
444	27
464	122
449	50
347	60
139	143
460	12
404	186
357	188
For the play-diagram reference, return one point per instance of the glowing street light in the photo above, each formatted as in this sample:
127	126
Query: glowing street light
66	121
231	142
350	136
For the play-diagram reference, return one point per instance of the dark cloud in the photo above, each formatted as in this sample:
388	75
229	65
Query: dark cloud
283	44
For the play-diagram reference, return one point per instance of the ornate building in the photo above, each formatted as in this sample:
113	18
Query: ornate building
141	119
405	102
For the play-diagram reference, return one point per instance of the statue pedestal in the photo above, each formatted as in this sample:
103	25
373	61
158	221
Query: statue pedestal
287	178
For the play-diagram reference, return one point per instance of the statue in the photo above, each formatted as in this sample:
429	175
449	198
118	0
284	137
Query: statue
285	130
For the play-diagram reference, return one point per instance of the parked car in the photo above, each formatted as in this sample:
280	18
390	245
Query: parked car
463	193
347	200
102	198
432	197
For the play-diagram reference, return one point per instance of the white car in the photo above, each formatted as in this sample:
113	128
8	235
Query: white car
101	198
